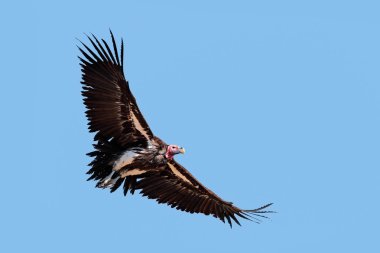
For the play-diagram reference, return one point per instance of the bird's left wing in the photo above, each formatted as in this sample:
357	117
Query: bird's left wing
176	187
112	109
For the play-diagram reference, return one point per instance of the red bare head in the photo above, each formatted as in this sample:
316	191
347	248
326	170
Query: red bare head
172	150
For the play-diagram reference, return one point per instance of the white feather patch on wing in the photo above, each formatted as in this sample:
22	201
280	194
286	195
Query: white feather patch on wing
133	172
124	160
138	126
178	174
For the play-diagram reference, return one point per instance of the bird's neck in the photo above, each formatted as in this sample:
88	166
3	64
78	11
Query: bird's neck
168	154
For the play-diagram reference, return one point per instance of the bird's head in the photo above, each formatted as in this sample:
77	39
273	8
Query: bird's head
172	150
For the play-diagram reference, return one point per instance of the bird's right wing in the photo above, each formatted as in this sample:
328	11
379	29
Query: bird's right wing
176	187
112	109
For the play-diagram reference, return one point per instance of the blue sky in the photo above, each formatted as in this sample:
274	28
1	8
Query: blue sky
274	102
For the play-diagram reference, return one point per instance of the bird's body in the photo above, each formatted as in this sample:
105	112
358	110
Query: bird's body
128	153
134	161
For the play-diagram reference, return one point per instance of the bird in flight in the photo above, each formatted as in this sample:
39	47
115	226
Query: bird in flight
126	152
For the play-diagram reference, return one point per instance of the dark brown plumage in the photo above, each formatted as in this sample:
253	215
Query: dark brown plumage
126	151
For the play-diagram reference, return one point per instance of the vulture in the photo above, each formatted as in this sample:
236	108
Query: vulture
126	152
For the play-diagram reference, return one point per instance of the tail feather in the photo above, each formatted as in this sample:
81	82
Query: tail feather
102	167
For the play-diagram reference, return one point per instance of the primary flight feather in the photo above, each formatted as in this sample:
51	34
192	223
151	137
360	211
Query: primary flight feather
128	153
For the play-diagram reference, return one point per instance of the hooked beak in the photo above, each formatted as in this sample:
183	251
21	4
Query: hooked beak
182	150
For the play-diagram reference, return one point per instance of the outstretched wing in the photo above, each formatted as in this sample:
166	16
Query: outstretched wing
176	187
112	110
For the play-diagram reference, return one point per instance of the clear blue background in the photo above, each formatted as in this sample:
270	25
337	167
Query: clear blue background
274	102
